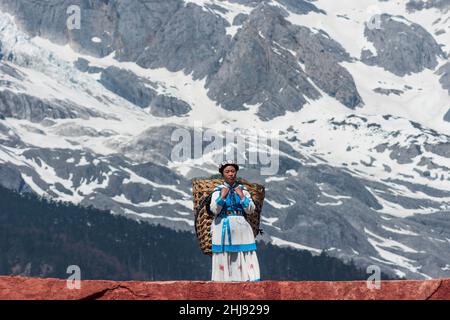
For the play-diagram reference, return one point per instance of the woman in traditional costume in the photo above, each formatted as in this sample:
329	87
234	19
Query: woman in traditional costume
233	242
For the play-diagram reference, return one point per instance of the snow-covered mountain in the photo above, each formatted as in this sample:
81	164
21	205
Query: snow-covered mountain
358	90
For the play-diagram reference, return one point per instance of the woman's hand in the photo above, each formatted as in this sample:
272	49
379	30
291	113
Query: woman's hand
224	192
239	192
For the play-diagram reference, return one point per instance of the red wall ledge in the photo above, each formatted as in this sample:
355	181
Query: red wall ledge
24	288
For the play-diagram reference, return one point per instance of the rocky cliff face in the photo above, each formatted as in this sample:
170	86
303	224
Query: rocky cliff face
21	288
360	108
402	47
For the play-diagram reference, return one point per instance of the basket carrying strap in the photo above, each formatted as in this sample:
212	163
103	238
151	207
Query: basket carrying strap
205	201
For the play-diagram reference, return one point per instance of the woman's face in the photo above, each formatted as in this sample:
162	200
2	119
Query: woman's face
229	174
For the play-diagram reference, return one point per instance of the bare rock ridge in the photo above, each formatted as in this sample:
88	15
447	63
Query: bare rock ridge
24	288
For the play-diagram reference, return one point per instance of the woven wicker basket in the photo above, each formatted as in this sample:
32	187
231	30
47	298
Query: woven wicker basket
201	189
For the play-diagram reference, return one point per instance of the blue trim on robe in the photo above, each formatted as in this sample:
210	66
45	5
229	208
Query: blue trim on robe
226	228
245	202
233	247
220	201
239	204
238	207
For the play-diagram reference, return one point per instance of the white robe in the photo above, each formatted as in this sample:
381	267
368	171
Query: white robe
235	260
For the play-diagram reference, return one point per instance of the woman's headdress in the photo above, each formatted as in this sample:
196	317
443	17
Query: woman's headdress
228	163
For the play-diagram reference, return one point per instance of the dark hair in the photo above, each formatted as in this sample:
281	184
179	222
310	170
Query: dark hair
223	168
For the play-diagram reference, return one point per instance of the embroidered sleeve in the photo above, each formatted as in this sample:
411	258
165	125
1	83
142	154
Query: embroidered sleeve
247	203
217	202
